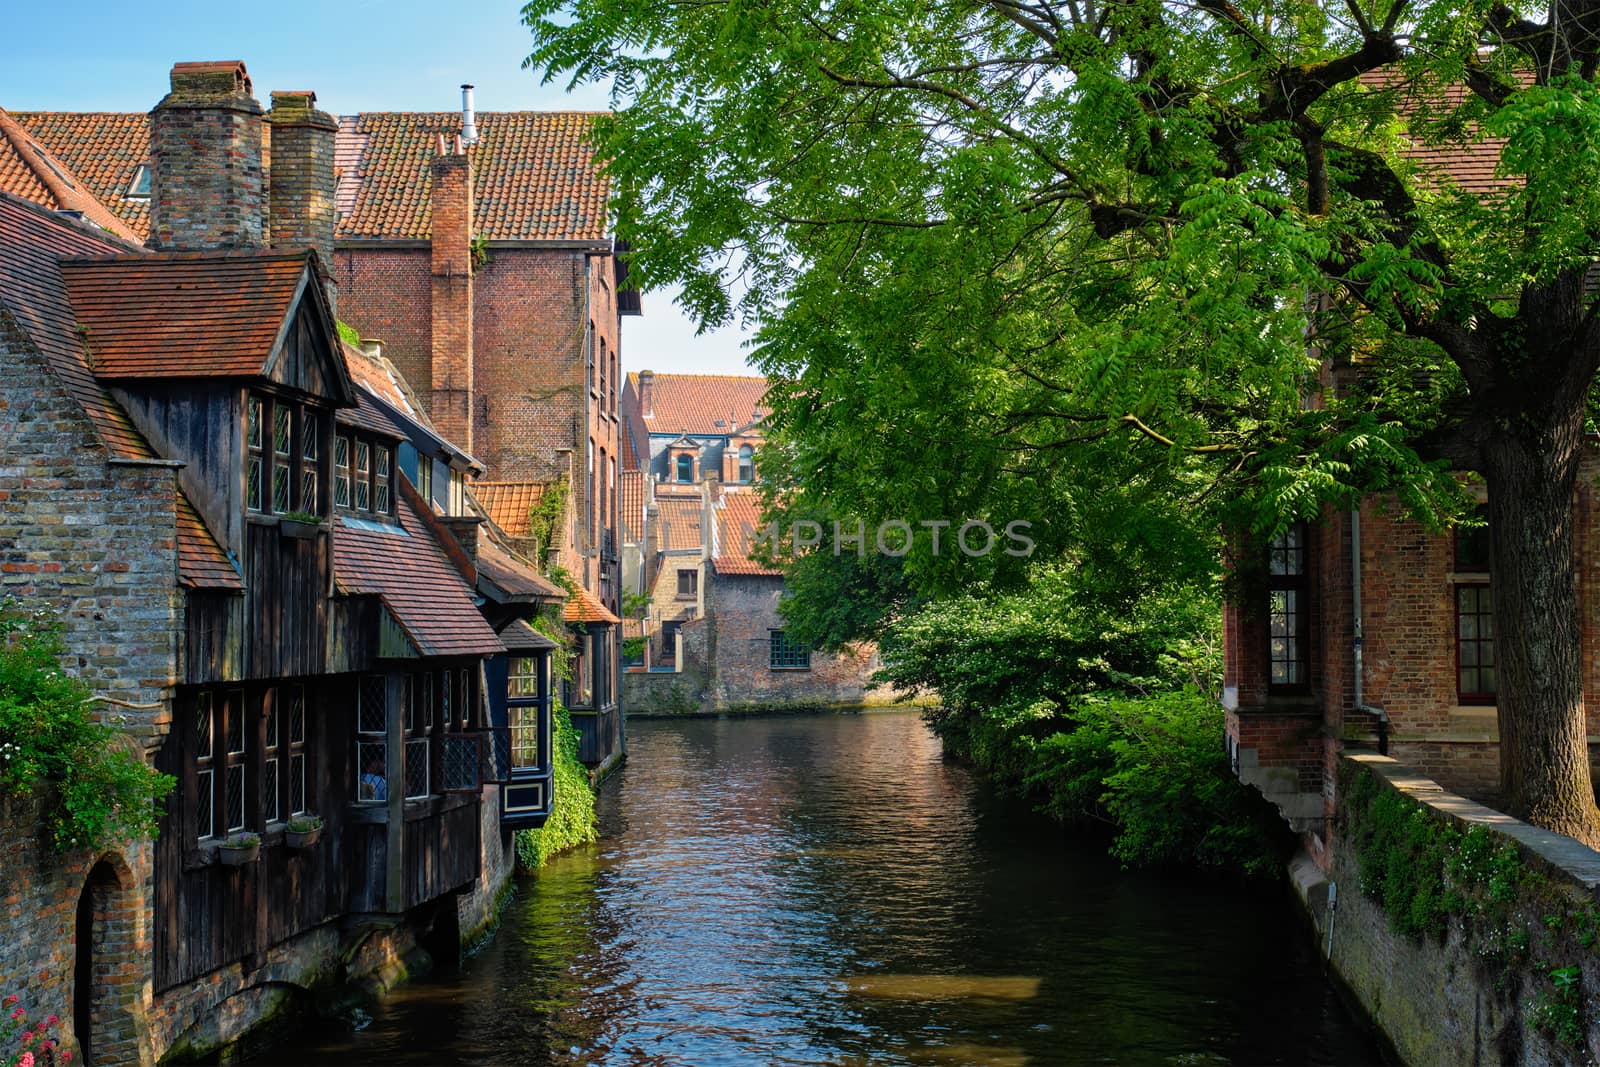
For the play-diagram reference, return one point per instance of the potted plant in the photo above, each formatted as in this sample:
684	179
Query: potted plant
302	831
300	524
240	849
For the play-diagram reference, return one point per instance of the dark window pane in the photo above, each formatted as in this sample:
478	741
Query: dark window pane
373	716
202	804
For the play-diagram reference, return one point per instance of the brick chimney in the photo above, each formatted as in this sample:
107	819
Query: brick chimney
301	211
451	402
206	186
647	393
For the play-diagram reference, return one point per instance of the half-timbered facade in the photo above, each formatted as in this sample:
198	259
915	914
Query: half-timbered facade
270	562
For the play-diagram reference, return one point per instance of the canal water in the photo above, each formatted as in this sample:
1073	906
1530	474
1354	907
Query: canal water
824	890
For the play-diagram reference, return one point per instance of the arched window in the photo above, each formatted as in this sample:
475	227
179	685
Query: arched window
747	464
685	467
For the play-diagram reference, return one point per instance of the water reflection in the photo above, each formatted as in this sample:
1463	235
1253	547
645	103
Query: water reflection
826	890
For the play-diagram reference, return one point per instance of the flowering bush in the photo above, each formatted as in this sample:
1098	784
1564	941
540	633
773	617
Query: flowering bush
95	792
25	1044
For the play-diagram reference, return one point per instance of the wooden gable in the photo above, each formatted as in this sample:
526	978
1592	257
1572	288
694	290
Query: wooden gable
307	356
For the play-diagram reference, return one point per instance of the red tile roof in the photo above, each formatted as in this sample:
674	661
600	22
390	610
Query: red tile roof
629	460
630	504
509	505
184	314
584	606
1470	168
535	177
201	560
739	527
32	243
692	403
105	149
416	580
678	524
31	171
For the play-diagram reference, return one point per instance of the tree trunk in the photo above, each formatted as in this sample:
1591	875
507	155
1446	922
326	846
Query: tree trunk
1531	467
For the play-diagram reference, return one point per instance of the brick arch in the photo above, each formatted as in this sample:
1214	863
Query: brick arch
108	959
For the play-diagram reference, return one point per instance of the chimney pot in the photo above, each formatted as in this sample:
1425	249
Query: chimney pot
469	121
647	390
206	179
301	186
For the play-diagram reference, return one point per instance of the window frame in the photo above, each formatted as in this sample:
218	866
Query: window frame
683	471
1296	584
693	592
747	464
1474	575
786	655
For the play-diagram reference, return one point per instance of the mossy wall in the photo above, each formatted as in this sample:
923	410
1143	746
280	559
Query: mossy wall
1468	936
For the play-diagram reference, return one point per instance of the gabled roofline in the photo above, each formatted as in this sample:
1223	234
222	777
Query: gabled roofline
83	226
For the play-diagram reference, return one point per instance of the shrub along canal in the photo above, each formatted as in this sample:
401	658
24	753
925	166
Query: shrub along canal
825	890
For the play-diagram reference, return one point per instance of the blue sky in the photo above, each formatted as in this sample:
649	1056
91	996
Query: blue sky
357	55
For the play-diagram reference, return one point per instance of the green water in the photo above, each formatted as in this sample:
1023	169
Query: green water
824	890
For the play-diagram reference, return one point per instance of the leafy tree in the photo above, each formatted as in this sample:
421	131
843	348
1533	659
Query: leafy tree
994	245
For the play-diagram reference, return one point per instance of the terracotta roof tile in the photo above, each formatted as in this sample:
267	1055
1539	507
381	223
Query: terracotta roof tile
584	606
509	504
31	171
678	524
105	149
630	504
534	175
201	560
692	403
183	314
367	415
32	243
629	460
416	580
739	526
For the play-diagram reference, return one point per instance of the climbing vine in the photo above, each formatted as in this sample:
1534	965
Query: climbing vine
572	818
546	515
95	792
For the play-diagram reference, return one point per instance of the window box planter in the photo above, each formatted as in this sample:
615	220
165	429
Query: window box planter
239	851
302	529
302	832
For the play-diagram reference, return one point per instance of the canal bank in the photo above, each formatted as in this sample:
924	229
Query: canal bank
826	889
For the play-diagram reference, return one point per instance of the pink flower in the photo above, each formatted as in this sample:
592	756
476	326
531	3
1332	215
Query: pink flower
19	1013
67	1055
53	1020
26	1060
27	1037
12	999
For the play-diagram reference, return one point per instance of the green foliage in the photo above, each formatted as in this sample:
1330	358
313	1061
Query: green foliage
1096	267
348	334
546	516
96	789
1558	1011
572	819
301	516
1424	872
1095	714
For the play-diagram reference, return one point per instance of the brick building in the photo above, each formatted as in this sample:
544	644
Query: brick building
709	636
474	247
255	574
1367	629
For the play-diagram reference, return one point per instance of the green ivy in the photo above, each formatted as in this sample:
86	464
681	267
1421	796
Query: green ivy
95	792
572	818
348	334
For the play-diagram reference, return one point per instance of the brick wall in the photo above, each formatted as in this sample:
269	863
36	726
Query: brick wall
206	179
742	611
531	309
93	542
